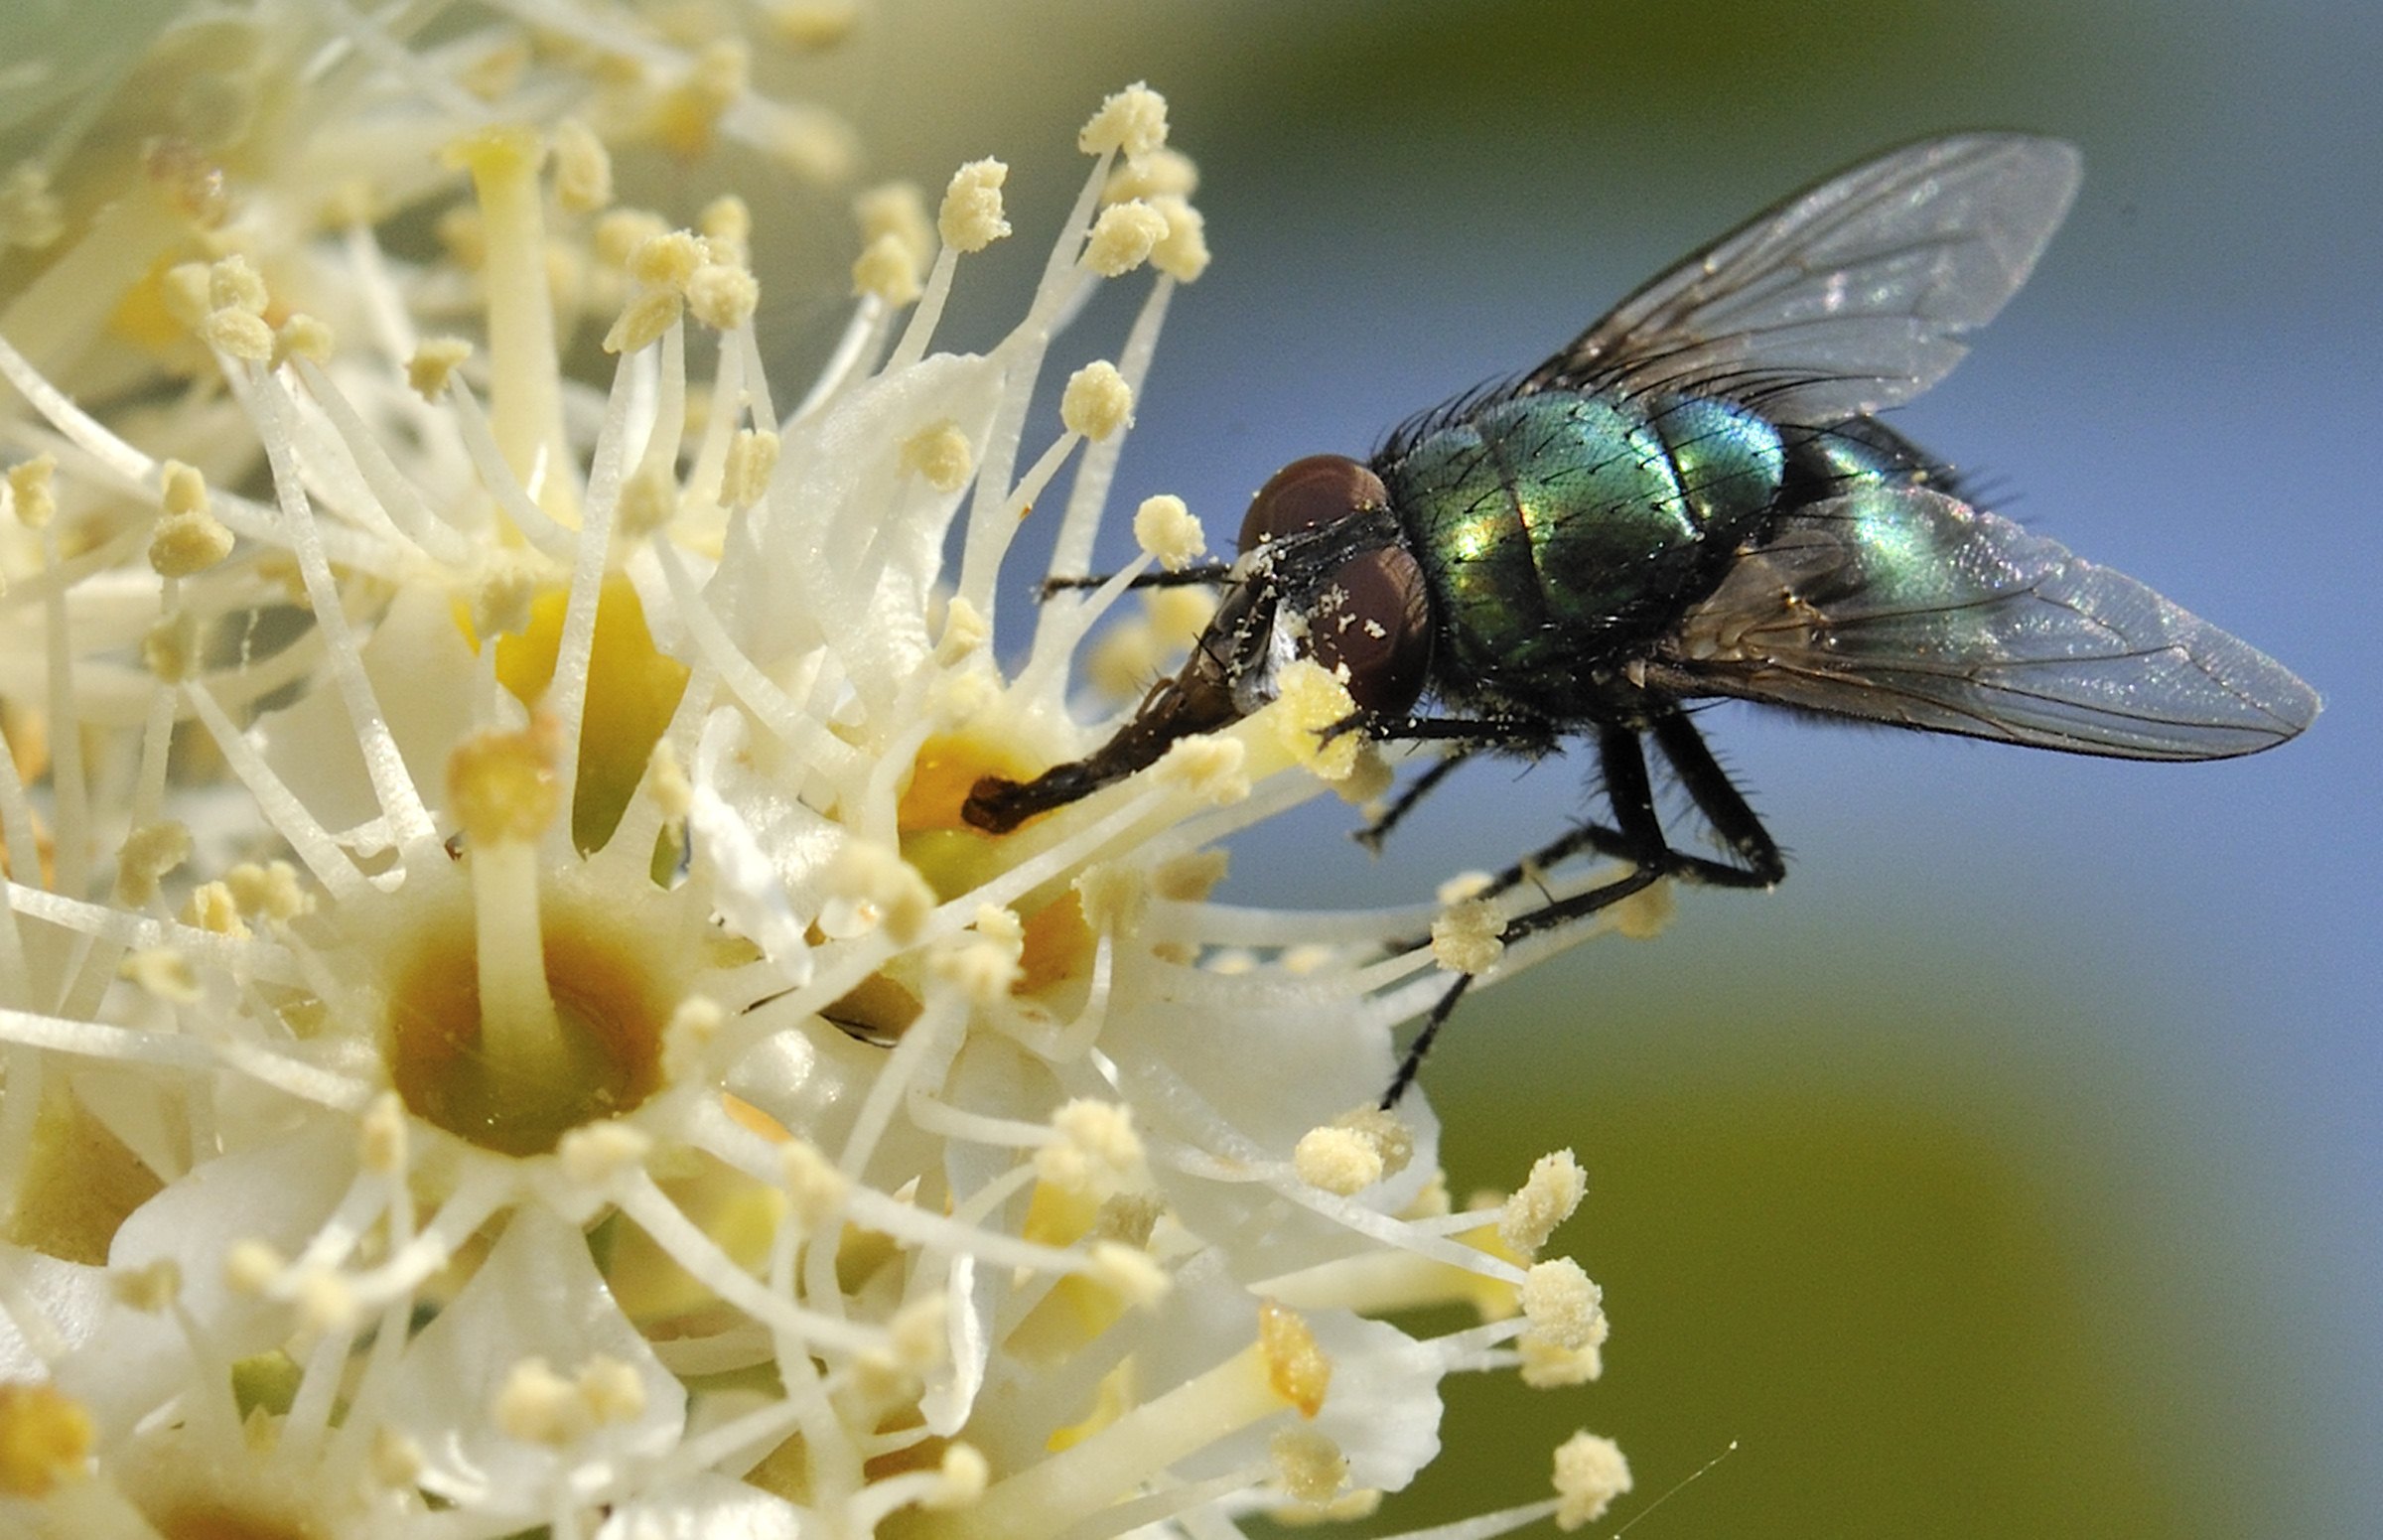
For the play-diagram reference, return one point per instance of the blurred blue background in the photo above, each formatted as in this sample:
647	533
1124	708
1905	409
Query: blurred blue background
2015	1168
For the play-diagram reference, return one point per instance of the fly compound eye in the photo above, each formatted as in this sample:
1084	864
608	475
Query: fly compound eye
1373	620
1306	494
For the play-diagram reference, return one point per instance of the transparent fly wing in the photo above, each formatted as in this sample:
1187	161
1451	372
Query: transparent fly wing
1897	603
1847	298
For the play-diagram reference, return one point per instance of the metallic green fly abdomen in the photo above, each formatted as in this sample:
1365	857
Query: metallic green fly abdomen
1696	499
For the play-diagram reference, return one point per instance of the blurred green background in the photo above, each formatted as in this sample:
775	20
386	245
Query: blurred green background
2015	1168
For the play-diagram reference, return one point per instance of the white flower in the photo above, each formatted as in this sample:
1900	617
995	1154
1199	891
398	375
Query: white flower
505	1025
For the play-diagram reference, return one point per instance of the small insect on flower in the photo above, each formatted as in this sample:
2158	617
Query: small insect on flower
1696	499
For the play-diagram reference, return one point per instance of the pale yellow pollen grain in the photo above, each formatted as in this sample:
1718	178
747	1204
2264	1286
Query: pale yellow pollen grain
1590	1473
1123	237
1097	401
238	333
508	594
1546	1367
887	269
181	488
304	337
396	1461
502	785
874	875
183	546
940	455
150	1288
184	290
251	1266
325	1300
1161	172
727	224
965	1475
971	218
162	973
1646	913
1308	1467
751	461
612	1391
723	71
693	1024
1000	924
1166	529
271	891
1386	1130
211	908
722	296
1465	938
1462	886
1546	1199
813	1185
170	648
232	284
593	1153
1113	896
1294	1366
961	698
1183	253
46	1438
33	489
984	971
583	168
643	321
381	1137
621	233
1179	614
672	791
919	1334
497	72
1369	774
1097	1150
1338	1160
1130	1273
649	501
1561	1304
1312	701
1134	120
433	362
966	631
1189	877
812	24
667	260
899	209
148	853
538	1406
1211	768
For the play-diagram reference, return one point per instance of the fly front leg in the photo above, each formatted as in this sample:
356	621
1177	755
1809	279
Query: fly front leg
1379	830
1213	574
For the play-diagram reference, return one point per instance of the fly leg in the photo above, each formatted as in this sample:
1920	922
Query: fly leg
1378	830
1636	836
1212	574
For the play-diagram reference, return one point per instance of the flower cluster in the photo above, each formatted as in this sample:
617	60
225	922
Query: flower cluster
502	1025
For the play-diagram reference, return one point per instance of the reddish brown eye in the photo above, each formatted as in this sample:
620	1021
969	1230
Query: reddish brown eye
1373	620
1306	492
